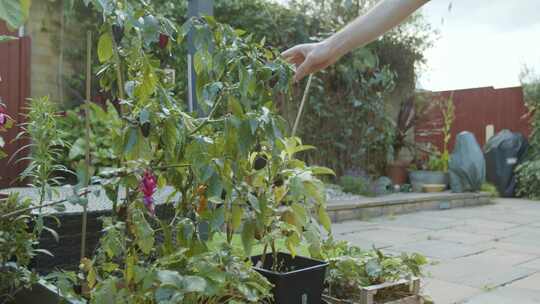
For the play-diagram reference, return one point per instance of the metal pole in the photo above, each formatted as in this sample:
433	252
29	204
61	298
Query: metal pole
196	8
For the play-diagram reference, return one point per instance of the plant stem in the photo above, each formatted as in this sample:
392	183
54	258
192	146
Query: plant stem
19	211
87	136
209	118
274	256
263	258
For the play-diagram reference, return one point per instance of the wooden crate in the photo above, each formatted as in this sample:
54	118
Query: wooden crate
367	294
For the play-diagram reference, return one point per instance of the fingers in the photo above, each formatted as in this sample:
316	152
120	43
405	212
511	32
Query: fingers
303	70
292	52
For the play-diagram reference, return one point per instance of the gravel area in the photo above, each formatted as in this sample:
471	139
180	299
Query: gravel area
98	201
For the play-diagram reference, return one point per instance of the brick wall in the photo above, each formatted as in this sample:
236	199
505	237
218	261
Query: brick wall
44	29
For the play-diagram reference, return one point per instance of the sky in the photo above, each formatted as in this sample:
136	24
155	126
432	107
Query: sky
481	43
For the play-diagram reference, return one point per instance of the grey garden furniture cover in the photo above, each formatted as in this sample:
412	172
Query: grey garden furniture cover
467	166
504	152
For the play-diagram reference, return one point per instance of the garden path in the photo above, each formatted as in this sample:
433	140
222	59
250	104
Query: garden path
480	255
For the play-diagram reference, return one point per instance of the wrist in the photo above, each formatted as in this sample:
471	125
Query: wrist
335	45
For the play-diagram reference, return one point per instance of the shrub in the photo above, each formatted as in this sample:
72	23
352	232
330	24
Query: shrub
528	179
527	174
491	189
17	247
72	128
356	185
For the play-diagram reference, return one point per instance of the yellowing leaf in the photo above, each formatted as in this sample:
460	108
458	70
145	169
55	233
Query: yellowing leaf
105	47
288	217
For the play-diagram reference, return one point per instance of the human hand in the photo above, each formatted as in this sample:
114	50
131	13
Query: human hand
310	58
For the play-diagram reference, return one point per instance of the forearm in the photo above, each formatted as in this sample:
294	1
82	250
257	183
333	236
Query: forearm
381	18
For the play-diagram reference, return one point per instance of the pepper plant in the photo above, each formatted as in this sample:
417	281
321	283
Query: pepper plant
232	171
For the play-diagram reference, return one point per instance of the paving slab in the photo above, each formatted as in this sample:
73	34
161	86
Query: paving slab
506	295
499	257
441	250
395	237
478	225
362	242
459	237
532	264
447	293
524	248
531	282
526	237
418	220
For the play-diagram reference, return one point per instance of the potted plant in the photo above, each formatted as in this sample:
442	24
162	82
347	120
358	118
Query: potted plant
294	206
410	111
434	164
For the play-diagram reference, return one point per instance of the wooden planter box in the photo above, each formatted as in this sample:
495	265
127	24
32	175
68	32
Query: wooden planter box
367	294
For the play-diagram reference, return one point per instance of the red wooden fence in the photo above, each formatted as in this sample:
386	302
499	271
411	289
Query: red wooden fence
474	110
14	90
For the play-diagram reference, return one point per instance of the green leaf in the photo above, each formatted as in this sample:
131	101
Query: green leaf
237	212
324	219
151	29
12	12
7	38
143	232
194	284
248	236
322	170
132	140
292	243
170	278
198	63
105	47
78	149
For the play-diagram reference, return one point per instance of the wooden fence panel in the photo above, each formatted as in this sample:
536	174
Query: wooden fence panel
474	110
14	90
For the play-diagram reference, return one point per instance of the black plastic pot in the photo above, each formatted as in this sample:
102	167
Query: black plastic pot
302	283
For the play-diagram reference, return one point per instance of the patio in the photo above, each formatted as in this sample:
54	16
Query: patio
480	255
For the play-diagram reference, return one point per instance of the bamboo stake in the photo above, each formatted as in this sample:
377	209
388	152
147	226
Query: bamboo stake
304	98
87	136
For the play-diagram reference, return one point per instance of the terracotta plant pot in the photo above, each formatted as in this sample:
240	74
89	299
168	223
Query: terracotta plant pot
398	172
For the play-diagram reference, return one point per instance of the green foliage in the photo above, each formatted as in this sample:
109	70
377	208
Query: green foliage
351	268
177	276
347	102
448	115
72	128
14	12
528	179
17	247
45	147
356	185
527	173
491	189
7	124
